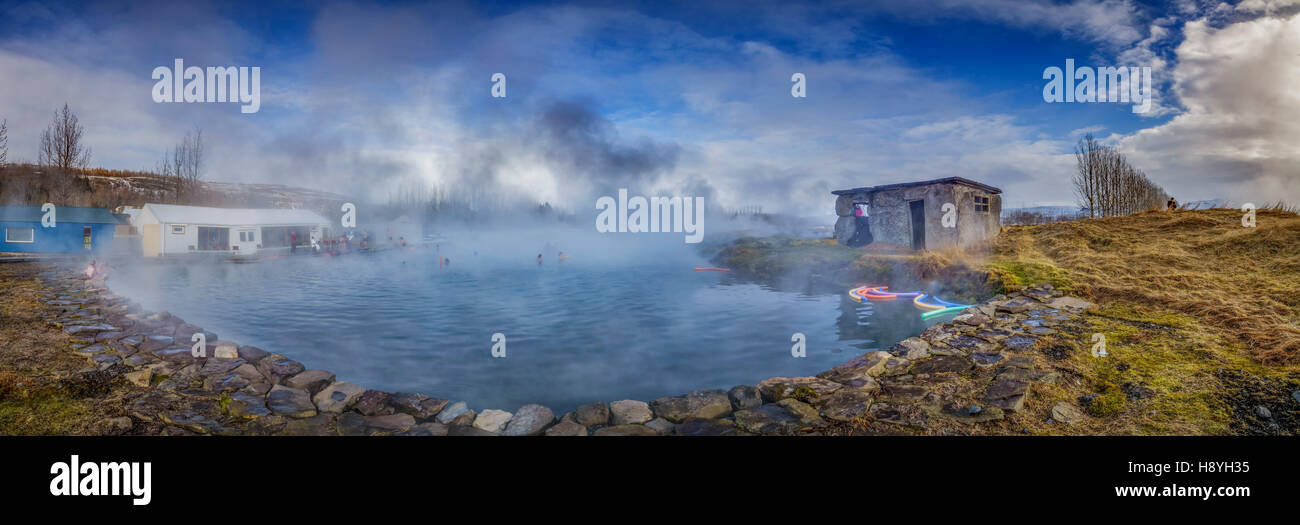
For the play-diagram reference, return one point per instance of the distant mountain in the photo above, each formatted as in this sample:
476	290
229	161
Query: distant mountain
1050	211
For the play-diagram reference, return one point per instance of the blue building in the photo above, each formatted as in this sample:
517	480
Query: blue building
72	229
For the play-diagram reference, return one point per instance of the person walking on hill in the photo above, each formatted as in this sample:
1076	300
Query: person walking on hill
1173	204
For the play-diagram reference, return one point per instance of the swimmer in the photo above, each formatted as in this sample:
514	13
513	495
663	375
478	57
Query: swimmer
539	258
562	256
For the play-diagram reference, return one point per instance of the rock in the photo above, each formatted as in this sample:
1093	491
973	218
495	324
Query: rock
629	412
901	394
660	425
337	397
290	402
707	427
193	421
252	354
147	406
218	366
139	377
625	430
242	404
276	366
743	397
847	404
418	405
945	364
698	403
1296	396
803	388
468	430
353	424
1071	303
784	417
972	319
226	350
968	415
866	365
1067	413
373	403
986	360
452	411
155	342
1263	412
969	344
567	428
310	380
225	382
492	420
530	420
592	414
1016	305
912	348
428	429
117	425
106	359
318	425
1007	394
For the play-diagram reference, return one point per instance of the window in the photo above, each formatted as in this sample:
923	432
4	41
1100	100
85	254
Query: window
23	235
178	229
982	204
246	236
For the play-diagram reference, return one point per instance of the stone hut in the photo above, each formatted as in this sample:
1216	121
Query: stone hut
913	214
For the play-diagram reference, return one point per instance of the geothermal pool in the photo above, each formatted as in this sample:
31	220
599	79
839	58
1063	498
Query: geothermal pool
592	328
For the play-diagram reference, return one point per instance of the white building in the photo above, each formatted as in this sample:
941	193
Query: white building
167	229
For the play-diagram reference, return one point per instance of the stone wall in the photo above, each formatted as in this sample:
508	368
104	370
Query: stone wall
970	370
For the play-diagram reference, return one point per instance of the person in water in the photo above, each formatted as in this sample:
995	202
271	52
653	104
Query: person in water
562	256
539	258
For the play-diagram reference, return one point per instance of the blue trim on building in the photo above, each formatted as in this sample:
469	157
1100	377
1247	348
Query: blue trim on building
65	237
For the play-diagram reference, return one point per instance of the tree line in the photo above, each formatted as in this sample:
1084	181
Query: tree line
61	171
1107	185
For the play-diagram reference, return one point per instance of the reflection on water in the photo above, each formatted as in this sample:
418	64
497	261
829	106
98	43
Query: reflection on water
575	332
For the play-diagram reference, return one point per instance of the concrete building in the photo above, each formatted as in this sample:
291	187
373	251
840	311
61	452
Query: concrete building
167	229
911	214
73	229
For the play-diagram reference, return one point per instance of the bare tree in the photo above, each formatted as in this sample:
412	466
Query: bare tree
1107	185
4	143
185	165
63	152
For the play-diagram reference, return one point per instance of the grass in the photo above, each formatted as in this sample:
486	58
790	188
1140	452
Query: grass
1240	283
35	359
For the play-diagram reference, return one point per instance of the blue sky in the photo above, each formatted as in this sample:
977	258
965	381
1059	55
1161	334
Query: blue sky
672	98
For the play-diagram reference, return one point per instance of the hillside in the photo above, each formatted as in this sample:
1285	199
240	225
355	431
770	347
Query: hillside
1242	282
28	184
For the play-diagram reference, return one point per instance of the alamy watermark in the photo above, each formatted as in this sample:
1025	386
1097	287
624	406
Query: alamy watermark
1103	84
214	84
653	215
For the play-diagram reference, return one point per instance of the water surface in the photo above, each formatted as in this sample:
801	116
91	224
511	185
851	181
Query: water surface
588	329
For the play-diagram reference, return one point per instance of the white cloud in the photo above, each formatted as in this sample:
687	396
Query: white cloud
1239	137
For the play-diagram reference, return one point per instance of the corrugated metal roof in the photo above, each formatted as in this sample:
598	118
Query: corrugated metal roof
947	180
174	214
71	214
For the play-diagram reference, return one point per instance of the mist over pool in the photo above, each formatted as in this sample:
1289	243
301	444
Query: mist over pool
624	317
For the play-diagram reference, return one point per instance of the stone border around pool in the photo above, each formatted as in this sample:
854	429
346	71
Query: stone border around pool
240	389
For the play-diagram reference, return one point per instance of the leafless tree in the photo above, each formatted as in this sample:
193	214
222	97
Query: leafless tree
1107	185
186	164
63	153
4	143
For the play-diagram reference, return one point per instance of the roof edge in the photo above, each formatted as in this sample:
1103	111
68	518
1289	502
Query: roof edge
946	180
